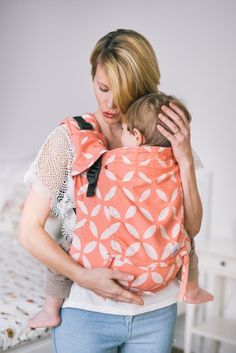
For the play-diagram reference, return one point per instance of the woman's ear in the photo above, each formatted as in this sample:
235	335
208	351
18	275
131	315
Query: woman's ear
139	138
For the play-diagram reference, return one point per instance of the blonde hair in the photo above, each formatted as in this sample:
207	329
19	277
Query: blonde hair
143	115
130	63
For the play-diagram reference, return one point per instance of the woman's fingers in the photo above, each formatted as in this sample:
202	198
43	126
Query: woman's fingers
105	283
174	121
122	295
166	133
180	112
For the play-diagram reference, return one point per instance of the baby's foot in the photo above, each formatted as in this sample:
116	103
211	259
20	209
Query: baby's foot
45	319
198	295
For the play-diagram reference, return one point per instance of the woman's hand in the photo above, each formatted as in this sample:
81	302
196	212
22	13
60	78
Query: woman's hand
104	282
176	120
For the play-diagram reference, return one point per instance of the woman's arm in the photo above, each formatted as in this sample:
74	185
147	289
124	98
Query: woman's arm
39	243
180	142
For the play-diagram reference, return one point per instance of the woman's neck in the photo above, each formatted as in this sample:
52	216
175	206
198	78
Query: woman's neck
112	132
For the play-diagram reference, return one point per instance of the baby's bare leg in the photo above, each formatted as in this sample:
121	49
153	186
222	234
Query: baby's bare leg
49	316
57	289
194	293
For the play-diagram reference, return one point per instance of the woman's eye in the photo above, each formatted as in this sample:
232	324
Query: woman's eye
103	89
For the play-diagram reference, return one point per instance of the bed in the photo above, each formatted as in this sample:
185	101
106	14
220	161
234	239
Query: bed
21	276
21	296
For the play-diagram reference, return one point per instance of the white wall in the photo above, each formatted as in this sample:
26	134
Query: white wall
45	74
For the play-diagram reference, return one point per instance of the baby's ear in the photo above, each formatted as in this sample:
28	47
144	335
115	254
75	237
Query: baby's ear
139	138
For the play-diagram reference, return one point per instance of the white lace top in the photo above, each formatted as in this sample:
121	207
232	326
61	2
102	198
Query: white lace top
50	175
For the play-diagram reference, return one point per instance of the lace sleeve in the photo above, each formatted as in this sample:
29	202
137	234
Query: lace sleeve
50	173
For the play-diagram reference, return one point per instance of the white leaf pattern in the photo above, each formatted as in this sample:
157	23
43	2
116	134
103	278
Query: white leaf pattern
161	178
98	193
82	207
132	230
173	177
140	280
107	212
96	210
128	176
111	159
130	212
150	232
90	247
162	163
163	214
87	155
111	230
133	249
80	224
110	175
162	195
82	189
84	140
128	194
93	228
157	278
144	177
176	230
126	160
86	262
151	252
170	273
114	213
76	243
76	256
115	246
111	193
146	213
174	195
164	233
145	195
167	251
145	163
103	251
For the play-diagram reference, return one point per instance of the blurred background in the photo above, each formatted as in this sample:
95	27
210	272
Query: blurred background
45	76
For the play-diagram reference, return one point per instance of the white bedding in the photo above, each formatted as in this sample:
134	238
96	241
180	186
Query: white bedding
21	293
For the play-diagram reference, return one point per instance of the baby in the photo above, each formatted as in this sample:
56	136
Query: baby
138	129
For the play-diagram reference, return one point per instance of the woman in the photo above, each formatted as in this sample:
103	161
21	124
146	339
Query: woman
105	316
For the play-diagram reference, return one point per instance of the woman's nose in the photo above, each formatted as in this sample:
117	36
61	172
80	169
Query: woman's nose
110	103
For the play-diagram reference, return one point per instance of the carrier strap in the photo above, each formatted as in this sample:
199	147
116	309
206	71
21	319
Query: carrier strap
94	171
83	124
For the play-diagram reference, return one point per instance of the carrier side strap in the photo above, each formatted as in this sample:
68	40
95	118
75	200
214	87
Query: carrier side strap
92	176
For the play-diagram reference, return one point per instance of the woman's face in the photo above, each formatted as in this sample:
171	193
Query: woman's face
110	113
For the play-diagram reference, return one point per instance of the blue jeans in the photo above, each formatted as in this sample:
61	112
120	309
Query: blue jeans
83	331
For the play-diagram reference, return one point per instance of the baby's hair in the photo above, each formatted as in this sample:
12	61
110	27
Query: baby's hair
142	114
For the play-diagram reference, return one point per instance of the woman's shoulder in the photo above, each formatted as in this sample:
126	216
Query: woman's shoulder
71	124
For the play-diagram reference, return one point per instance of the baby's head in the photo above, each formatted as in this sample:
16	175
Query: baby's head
139	126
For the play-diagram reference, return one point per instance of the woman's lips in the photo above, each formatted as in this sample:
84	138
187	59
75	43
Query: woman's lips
109	115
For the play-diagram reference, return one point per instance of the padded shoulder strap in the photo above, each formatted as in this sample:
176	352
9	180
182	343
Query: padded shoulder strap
94	171
83	124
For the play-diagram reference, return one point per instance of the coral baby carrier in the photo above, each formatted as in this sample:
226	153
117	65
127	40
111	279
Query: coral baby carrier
129	208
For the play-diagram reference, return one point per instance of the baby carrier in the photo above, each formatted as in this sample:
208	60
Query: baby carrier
129	208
